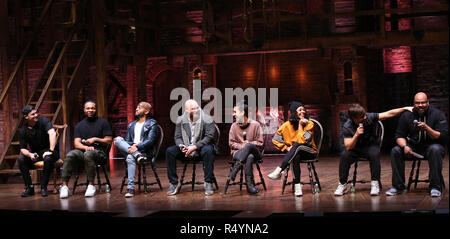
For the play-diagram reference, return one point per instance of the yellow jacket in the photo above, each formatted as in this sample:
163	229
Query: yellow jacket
286	136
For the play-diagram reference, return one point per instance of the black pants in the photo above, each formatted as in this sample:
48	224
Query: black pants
348	157
206	155
301	155
434	153
25	164
247	156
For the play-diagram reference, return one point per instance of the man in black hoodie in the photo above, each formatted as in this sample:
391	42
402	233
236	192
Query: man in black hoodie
425	132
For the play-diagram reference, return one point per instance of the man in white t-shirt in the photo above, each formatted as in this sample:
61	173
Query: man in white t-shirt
139	144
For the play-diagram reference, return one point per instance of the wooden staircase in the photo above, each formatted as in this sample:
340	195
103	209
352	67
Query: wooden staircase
61	77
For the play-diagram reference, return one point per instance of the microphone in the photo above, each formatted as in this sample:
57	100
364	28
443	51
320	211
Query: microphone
415	122
245	135
361	125
83	141
417	155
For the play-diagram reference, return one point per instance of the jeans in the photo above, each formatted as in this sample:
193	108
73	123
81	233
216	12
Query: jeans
348	157
206	155
123	146
434	153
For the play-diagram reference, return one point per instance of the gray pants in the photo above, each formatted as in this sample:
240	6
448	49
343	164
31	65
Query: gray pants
89	158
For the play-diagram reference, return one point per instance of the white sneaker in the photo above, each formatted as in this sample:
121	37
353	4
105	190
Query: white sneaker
276	174
64	192
375	188
298	190
90	191
341	190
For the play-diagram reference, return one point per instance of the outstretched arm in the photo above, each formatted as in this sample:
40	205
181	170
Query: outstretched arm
393	112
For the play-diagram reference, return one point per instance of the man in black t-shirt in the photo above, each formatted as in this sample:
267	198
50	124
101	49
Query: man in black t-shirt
92	137
360	140
423	132
37	142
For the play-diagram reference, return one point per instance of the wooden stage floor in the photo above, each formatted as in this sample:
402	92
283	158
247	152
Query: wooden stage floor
236	204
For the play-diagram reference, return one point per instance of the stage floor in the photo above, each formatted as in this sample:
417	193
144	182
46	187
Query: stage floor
235	204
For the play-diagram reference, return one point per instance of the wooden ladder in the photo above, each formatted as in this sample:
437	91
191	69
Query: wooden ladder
62	75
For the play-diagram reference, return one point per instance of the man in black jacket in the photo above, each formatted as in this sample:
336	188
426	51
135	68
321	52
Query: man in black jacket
425	132
139	144
194	136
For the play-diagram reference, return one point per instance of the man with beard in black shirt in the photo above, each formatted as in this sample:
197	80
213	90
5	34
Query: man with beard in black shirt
425	132
92	137
38	134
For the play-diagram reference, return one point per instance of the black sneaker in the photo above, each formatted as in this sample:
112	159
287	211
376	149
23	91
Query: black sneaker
44	192
141	159
130	193
28	192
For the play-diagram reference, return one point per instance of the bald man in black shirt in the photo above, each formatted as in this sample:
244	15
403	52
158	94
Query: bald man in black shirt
423	131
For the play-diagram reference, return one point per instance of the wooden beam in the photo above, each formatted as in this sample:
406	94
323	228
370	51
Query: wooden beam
4	69
372	39
99	46
140	59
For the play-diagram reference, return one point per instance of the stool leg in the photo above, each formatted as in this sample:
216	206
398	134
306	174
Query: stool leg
99	183
193	175
410	180
261	176
182	176
354	177
215	183
156	176
145	178
139	183
311	179
106	177
285	180
316	176
417	174
75	184
123	179
241	178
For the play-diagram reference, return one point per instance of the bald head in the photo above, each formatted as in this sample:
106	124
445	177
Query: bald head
421	103
191	107
190	103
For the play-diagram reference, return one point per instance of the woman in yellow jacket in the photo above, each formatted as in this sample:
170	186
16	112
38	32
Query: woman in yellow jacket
296	133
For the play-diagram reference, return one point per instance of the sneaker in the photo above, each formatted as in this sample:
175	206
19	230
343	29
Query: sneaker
298	190
44	192
375	188
90	191
208	189
141	159
29	191
394	191
130	193
276	174
64	192
173	189
435	193
341	189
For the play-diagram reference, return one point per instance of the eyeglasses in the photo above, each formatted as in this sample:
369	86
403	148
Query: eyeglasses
421	103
